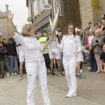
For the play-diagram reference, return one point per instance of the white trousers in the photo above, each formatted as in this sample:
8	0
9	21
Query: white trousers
70	64
34	69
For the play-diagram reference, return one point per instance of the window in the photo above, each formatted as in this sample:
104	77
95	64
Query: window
45	1
56	5
35	8
41	5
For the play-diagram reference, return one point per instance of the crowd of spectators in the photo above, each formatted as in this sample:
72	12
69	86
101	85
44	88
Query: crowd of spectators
92	40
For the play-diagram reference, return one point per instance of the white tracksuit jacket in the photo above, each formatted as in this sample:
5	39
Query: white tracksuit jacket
35	65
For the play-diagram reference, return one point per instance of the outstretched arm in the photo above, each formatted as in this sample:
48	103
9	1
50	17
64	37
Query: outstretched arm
11	25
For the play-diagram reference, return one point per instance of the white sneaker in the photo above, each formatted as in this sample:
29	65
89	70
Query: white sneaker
81	70
71	94
15	73
12	74
89	68
8	74
98	71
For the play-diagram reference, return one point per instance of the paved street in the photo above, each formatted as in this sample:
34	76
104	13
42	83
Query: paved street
13	91
91	88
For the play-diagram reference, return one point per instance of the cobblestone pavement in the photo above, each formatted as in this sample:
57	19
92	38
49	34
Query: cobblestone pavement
13	92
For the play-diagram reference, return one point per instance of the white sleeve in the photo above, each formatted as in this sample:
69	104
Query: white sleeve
49	48
18	38
39	46
79	45
62	43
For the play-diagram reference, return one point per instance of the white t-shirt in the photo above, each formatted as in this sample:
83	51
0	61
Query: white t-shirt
90	40
54	47
31	47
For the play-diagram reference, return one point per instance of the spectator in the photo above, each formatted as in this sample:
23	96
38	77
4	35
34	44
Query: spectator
2	53
90	25
54	53
43	40
92	60
12	54
80	55
6	59
100	26
97	48
102	61
59	36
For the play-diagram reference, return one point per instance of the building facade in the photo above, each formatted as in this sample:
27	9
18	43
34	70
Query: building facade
40	17
78	12
4	27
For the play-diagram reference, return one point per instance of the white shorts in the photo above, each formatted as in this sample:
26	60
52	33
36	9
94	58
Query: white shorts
21	55
56	56
21	59
80	58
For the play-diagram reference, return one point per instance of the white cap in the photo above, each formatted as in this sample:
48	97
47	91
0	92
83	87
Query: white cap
97	31
77	30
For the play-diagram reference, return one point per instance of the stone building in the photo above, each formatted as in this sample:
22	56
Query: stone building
78	12
4	27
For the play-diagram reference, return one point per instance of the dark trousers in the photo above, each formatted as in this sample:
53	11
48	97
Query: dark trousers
47	60
92	62
6	63
13	64
1	67
24	69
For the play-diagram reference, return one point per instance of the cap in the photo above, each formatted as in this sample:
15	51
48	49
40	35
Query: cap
77	30
97	31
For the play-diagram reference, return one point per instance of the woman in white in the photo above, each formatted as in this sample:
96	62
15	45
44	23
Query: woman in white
54	53
71	50
34	60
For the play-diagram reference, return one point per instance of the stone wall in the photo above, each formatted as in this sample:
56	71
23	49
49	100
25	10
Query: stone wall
91	11
78	12
102	5
86	12
4	28
71	14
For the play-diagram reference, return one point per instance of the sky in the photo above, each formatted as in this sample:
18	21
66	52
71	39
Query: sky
18	7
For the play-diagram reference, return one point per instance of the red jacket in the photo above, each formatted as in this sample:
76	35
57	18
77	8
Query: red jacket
86	42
